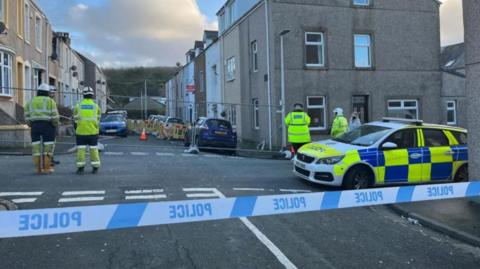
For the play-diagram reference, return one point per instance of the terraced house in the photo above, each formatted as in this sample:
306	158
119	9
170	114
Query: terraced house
31	53
376	57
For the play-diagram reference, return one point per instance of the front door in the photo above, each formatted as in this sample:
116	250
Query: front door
404	163
438	156
360	105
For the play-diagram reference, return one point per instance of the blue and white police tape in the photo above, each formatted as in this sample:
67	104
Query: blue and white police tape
107	217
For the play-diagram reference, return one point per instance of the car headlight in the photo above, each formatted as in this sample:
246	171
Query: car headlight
330	160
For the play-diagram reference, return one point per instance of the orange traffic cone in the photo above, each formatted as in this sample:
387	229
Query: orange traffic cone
143	136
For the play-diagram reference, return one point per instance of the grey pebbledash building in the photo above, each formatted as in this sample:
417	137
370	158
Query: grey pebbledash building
377	57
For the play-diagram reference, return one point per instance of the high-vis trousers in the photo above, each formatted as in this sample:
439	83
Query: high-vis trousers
43	145
82	142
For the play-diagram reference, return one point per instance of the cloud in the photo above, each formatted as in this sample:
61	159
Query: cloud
137	33
451	22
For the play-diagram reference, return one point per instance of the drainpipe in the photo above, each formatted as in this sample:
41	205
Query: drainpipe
269	84
47	75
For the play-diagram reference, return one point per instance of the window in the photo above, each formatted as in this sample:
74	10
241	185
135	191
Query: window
406	109
361	2
363	51
404	139
461	138
6	74
233	116
254	49
26	21
451	112
435	138
230	74
3	11
316	111
256	114
201	81
231	13
38	32
314	49
365	135
28	93
20	18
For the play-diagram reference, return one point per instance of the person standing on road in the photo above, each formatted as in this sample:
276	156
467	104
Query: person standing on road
340	123
41	114
87	119
298	123
354	121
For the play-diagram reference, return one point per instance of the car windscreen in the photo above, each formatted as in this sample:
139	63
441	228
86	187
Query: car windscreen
112	118
365	135
219	124
175	121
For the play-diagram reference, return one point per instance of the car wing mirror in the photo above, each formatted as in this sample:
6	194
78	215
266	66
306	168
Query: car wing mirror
389	146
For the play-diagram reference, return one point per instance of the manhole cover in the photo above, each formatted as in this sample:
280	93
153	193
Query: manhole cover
7	205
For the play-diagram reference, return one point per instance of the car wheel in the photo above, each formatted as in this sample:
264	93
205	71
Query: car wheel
462	174
358	178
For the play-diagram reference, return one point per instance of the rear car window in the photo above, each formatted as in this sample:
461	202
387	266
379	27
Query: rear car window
461	137
219	124
435	138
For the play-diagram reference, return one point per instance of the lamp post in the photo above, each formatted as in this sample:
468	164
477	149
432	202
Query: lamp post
282	78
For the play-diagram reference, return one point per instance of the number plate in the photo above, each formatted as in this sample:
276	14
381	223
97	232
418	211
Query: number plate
220	133
111	131
301	165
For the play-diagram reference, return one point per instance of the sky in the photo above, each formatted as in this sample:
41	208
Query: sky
123	33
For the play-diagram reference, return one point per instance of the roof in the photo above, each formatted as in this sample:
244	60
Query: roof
212	35
453	57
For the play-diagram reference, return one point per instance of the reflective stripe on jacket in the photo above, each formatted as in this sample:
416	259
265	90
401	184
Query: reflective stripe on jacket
42	108
87	117
298	130
340	126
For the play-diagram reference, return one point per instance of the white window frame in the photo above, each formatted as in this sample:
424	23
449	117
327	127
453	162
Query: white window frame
26	21
369	47
2	11
38	33
231	13
254	50
6	90
233	116
230	69
359	3
403	107
27	83
256	114
454	110
318	44
324	127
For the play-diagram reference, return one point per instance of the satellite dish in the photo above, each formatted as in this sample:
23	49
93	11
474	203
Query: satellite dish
2	28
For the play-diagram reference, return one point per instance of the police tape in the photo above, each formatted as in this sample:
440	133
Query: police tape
108	217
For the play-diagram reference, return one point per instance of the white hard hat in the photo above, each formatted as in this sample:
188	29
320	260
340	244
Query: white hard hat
88	91
44	87
338	111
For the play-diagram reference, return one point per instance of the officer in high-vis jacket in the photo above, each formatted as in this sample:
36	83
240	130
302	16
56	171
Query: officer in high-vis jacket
87	119
298	123
340	123
42	116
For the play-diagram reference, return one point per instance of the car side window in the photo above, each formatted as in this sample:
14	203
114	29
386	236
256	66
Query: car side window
461	138
404	139
435	138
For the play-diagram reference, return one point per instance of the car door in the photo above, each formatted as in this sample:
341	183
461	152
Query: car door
404	163
438	155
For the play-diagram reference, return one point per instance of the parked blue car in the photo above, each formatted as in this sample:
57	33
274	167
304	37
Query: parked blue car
114	124
208	132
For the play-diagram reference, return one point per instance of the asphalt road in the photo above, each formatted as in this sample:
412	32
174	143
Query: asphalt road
134	171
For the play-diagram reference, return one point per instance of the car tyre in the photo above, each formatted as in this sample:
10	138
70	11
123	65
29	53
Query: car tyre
358	178
462	174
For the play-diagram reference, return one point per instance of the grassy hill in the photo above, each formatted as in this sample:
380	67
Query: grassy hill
130	82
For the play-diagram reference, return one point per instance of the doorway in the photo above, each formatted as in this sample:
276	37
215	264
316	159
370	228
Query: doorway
360	104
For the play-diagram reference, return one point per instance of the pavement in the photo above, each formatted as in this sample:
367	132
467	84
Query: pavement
134	171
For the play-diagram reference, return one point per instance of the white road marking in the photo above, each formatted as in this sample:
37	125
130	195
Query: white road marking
201	195
145	197
114	153
188	155
80	199
264	239
211	156
143	191
24	200
248	189
140	153
71	193
294	191
34	193
199	189
235	158
165	154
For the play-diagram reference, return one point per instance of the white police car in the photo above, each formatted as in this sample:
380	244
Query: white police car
394	151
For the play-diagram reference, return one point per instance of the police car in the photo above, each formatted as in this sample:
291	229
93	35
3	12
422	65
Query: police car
393	151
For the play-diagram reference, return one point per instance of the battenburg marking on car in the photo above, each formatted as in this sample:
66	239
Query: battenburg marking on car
391	152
